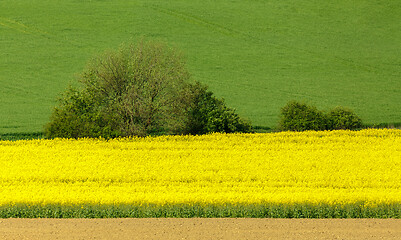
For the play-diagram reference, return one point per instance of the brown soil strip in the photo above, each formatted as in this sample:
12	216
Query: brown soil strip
200	228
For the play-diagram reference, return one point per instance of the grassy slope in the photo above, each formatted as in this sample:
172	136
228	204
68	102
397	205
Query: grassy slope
256	54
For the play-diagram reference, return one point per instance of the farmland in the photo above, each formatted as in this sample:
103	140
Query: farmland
286	174
256	54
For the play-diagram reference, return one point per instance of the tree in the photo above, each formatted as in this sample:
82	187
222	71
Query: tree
139	90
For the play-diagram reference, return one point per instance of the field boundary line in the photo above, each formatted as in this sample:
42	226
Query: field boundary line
18	26
11	26
232	32
197	21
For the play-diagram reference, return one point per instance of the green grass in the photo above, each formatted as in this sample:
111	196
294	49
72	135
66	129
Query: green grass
256	54
357	210
21	136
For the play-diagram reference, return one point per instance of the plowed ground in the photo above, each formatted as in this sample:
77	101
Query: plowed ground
200	228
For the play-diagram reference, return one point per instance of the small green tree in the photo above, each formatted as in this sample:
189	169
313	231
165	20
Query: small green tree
209	114
296	116
343	118
78	116
138	90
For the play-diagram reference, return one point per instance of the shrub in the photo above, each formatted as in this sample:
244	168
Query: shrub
209	114
296	116
78	116
343	118
139	90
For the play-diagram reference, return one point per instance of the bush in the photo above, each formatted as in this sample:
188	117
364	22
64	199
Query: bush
209	114
296	116
139	90
343	118
78	116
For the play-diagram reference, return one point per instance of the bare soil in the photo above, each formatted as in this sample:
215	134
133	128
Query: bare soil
200	228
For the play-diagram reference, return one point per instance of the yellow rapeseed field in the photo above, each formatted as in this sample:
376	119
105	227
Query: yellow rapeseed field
331	167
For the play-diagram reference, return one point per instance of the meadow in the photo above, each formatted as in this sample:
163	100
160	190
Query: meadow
256	54
287	174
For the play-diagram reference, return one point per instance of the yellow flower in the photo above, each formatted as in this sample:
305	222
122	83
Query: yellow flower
286	167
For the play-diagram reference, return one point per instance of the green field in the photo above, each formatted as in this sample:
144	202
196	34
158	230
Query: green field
257	54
